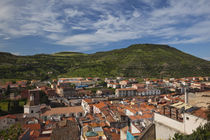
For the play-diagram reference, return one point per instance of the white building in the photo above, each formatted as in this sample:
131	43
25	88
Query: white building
113	85
166	127
32	108
123	92
31	111
85	105
148	92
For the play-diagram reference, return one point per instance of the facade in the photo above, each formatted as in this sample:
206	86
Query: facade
113	85
148	92
125	92
104	92
32	108
85	105
124	83
97	107
167	126
51	93
7	121
76	111
65	91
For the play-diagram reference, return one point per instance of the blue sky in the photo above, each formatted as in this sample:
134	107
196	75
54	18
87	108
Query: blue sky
47	26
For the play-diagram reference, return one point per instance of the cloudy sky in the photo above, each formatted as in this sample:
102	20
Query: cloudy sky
46	26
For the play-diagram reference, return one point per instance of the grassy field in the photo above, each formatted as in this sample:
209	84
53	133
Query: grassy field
4	106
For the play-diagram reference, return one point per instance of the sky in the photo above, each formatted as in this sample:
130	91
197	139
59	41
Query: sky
29	27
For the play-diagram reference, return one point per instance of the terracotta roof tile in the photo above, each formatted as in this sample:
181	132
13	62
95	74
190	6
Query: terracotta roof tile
8	116
32	126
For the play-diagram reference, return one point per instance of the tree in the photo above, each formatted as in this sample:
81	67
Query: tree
11	133
8	90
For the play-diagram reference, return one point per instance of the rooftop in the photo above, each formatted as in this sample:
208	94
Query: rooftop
63	110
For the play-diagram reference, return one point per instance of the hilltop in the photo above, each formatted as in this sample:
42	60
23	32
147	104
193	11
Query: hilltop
140	60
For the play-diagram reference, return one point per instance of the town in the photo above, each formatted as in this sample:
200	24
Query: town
91	108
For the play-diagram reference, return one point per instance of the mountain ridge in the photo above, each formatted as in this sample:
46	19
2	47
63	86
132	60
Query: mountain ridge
138	60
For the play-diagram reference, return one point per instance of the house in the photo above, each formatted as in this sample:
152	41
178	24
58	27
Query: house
124	92
97	107
178	118
65	91
32	108
59	112
124	83
92	133
85	104
24	94
51	93
14	96
138	86
104	92
7	121
66	129
113	85
148	92
82	92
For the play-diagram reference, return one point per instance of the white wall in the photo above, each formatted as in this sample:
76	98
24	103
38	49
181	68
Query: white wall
123	134
166	127
28	109
129	113
192	123
169	122
164	132
134	129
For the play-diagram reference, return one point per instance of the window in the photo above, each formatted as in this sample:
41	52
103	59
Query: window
80	114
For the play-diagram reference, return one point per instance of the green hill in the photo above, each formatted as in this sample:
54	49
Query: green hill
141	60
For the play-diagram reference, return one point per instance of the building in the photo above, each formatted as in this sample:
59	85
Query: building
97	107
124	83
51	93
59	112
125	92
66	91
148	92
89	133
113	85
178	118
104	92
7	121
138	86
32	108
68	130
85	104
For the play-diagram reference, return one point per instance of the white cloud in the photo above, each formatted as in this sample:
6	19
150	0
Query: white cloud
91	22
73	13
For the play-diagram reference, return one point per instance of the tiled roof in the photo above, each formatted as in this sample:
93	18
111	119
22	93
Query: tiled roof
88	100
34	133
201	112
32	126
8	116
63	110
100	105
122	89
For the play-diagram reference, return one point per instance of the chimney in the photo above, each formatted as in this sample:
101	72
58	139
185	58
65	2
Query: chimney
186	95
